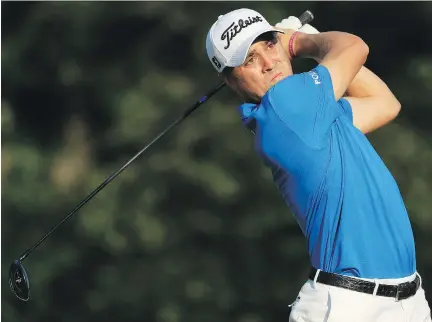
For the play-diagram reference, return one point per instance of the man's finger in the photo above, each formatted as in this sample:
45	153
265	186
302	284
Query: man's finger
308	29
291	22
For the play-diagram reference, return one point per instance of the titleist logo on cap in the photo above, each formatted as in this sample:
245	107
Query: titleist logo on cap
233	30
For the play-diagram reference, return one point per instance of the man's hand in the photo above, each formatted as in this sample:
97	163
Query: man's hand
294	23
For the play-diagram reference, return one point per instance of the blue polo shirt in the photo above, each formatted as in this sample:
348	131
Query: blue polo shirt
342	195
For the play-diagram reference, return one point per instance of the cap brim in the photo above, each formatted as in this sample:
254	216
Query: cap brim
241	53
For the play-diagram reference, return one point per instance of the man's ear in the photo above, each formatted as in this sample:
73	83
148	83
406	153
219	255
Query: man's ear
228	79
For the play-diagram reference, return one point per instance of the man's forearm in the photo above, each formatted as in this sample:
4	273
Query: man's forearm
367	84
318	46
312	47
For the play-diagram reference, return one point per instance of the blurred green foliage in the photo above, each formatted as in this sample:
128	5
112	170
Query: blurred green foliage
194	230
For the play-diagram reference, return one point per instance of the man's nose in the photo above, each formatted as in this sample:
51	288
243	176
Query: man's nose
268	63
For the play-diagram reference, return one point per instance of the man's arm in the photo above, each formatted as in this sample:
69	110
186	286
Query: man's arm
343	55
372	103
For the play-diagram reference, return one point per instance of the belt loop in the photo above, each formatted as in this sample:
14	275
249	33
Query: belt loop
375	288
316	277
421	282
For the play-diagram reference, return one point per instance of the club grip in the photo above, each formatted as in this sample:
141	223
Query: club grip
306	17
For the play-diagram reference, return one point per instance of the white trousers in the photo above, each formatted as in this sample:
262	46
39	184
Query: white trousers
318	302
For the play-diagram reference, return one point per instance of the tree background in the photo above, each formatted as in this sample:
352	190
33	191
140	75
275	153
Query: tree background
194	230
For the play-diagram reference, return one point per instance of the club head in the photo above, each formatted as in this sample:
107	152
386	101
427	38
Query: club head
18	281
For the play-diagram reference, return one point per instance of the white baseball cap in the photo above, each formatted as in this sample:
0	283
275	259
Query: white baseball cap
230	37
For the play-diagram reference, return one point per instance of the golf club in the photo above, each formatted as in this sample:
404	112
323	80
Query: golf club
18	277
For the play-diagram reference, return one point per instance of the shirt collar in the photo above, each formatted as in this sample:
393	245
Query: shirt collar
246	111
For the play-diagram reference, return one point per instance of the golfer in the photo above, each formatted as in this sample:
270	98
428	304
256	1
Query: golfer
310	131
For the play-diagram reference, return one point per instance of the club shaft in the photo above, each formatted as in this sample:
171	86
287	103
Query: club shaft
116	173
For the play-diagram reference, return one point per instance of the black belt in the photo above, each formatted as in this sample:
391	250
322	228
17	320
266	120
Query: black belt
399	292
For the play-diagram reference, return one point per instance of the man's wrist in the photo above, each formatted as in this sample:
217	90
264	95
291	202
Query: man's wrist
305	47
300	46
291	44
284	38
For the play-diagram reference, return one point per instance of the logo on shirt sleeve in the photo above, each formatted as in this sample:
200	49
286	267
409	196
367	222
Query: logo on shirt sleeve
315	77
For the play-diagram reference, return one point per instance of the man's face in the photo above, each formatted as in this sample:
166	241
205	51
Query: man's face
266	64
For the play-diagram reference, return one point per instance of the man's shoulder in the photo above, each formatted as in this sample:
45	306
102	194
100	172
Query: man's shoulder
286	89
299	86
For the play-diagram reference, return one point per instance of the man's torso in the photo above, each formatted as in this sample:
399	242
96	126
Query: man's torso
343	196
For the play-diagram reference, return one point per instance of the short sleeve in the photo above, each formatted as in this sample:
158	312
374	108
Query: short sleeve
305	103
345	107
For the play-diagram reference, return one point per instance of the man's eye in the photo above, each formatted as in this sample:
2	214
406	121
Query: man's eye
250	60
271	44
